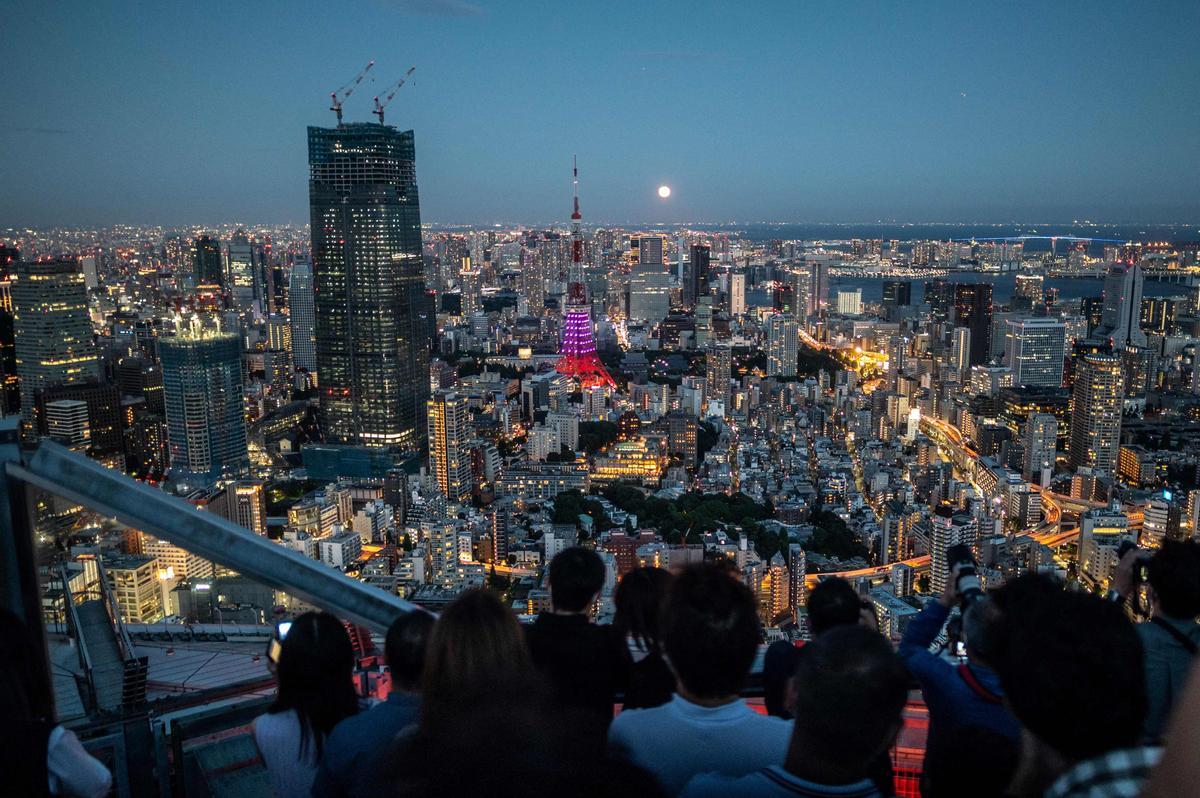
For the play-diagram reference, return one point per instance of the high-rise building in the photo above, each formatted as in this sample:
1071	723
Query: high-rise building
797	571
1034	350
368	275
897	293
202	389
960	349
1121	317
718	371
449	435
302	316
1101	532
783	346
206	262
1096	402
948	528
1041	441
695	274
250	505
1028	292
737	293
52	332
10	383
243	272
849	301
67	423
650	251
973	309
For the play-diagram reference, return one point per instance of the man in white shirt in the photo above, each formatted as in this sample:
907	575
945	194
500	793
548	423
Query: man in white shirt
710	636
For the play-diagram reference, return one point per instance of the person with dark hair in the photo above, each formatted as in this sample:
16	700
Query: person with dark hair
850	689
832	603
37	755
639	601
710	634
586	664
479	683
1071	667
353	760
958	694
316	692
1171	638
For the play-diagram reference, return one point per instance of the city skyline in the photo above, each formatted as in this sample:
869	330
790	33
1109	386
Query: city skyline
912	114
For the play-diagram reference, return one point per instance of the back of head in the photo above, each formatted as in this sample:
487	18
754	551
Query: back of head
710	630
316	661
639	600
833	602
475	643
1071	667
404	648
576	576
850	690
1174	573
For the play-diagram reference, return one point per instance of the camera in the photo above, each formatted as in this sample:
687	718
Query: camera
1140	568
962	570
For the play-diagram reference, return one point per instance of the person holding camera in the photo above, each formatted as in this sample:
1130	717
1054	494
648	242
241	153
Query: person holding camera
964	698
1171	637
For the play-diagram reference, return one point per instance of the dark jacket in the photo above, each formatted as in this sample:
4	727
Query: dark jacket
650	684
970	697
1167	662
586	664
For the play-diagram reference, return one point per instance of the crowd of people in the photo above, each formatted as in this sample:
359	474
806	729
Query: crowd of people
1032	689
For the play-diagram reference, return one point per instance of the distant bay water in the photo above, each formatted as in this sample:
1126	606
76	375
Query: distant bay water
1002	286
937	231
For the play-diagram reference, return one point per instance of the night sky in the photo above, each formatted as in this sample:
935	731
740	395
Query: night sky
195	112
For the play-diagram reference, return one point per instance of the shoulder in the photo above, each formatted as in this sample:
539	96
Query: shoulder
714	784
633	720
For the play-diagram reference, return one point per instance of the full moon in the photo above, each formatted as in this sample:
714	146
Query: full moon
664	191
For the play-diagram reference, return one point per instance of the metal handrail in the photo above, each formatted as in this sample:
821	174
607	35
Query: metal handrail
73	476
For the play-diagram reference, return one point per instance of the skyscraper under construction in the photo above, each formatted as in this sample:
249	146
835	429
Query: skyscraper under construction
372	349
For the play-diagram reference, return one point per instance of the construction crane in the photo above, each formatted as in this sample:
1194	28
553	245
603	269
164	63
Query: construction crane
338	97
391	92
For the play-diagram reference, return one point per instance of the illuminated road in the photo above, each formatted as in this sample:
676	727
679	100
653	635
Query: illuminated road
1047	533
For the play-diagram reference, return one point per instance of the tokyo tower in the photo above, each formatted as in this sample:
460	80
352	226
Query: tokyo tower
577	356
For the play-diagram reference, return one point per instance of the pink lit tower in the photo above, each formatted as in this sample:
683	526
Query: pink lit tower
577	357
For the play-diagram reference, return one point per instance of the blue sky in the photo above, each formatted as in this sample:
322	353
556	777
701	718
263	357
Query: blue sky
195	112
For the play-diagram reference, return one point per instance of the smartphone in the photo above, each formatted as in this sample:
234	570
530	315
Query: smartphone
282	628
960	649
276	646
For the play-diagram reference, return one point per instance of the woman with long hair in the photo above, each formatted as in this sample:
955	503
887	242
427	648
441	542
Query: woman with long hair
316	691
639	597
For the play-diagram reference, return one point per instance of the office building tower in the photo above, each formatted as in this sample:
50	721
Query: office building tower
737	293
797	571
718	371
202	388
1102	530
52	332
948	528
105	419
1096	402
849	301
206	262
67	423
939	295
973	309
960	349
449	436
250	505
577	359
897	293
649	296
1034	350
1041	441
243	272
650	251
1162	520
10	383
470	287
1121	316
1028	293
368	277
695	275
302	316
783	346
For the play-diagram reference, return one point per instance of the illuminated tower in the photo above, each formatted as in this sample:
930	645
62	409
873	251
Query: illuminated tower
577	357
